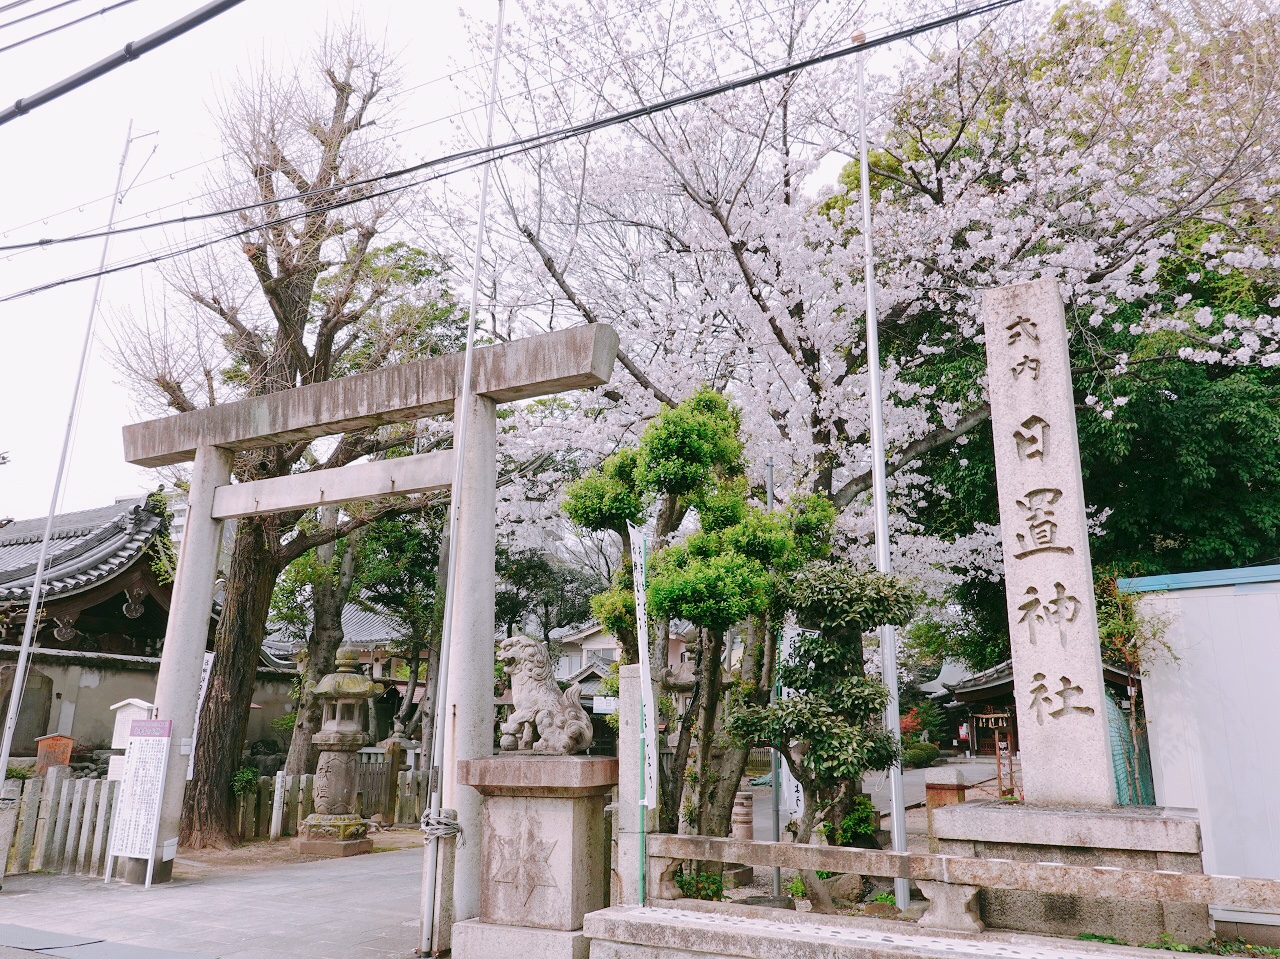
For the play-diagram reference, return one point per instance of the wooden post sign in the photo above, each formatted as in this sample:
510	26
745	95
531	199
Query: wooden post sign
136	822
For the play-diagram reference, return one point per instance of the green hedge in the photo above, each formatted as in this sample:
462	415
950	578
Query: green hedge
919	755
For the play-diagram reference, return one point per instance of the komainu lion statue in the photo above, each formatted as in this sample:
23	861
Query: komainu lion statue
545	719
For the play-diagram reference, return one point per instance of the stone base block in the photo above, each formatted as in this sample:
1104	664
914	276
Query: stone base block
1254	933
1129	837
473	939
333	848
951	908
543	841
737	876
134	871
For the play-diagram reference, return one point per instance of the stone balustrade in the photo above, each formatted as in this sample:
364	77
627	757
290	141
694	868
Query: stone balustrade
952	882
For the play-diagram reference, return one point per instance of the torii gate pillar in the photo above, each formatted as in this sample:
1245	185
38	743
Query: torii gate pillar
468	705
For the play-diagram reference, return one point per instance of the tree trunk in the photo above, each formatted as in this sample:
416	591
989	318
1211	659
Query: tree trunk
207	811
412	664
671	788
713	686
731	764
814	888
328	598
717	812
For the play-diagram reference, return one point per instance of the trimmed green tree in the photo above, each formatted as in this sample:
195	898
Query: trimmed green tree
831	723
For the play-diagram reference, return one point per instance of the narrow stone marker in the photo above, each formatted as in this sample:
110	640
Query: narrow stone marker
1053	628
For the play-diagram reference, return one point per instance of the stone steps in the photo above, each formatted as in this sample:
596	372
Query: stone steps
728	932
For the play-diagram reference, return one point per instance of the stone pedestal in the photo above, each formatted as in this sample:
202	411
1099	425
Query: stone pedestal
334	836
943	786
1131	837
543	854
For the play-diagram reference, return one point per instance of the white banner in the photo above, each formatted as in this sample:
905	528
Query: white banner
649	721
791	796
195	730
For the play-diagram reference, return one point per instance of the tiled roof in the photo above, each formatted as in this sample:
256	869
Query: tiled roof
85	548
590	679
1003	673
362	628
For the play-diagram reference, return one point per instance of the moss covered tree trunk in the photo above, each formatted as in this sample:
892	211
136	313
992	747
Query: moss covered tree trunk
329	596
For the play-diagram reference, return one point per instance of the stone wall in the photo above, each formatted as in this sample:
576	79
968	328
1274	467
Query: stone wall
84	686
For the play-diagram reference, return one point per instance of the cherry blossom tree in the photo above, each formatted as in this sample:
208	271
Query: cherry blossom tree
1080	143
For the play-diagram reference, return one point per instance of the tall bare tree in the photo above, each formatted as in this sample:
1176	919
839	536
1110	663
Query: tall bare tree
308	293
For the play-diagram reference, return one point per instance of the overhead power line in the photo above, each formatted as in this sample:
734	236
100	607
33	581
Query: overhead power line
38	13
18	248
130	52
476	156
62	26
5	8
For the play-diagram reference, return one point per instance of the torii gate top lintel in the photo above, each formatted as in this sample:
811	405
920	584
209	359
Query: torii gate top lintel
577	358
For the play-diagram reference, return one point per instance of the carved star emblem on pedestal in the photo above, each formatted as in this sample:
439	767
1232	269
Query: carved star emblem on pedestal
523	861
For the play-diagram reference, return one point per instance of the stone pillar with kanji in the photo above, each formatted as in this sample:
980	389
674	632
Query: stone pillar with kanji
1057	665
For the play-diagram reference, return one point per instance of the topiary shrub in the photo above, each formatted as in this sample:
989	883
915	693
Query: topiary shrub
920	755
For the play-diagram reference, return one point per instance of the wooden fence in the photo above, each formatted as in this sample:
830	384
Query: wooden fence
278	806
759	762
62	825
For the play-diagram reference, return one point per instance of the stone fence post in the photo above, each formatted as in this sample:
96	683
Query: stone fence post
629	772
943	786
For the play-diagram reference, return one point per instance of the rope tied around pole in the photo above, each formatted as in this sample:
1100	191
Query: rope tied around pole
442	825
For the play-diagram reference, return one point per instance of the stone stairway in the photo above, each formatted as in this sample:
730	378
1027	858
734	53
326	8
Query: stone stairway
729	932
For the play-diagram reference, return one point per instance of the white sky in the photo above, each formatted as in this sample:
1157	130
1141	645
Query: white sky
58	167
64	156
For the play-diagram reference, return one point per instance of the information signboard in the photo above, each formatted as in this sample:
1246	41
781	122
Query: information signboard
136	819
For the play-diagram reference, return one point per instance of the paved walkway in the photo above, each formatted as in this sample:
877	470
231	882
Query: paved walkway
365	907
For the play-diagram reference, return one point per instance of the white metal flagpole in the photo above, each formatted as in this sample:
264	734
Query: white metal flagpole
37	582
888	636
433	825
775	769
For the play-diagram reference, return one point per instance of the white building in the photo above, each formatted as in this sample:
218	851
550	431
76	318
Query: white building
1211	720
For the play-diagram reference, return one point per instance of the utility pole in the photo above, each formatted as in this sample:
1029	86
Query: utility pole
776	772
888	635
37	583
433	824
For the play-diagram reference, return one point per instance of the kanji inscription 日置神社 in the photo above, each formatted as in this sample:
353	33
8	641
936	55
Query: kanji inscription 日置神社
1057	666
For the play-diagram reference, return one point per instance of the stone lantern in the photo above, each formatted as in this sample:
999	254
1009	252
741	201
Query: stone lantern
334	829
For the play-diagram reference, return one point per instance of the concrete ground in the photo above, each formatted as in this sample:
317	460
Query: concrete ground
365	907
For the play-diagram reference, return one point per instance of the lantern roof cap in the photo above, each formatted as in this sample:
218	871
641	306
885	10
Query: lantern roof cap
348	682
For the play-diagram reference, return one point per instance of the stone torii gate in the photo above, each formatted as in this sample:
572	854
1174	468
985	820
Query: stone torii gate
541	365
